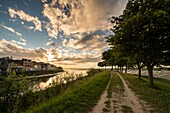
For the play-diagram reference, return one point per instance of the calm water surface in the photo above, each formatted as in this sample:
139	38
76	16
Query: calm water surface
165	74
62	77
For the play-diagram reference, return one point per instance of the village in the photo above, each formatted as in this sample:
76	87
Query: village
8	64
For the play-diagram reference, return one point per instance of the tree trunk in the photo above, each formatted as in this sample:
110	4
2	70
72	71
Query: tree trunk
112	67
139	72
150	71
122	68
126	68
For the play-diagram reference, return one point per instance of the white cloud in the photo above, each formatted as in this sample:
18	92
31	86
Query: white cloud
51	43
22	23
11	29
59	56
17	42
30	27
44	1
26	17
81	16
13	48
23	40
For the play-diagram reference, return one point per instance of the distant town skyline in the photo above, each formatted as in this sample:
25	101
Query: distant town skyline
70	34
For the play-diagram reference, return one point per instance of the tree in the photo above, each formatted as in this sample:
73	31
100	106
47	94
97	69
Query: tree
143	31
108	56
100	64
12	88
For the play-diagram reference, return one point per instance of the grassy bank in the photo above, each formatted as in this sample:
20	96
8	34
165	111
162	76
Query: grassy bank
158	97
80	98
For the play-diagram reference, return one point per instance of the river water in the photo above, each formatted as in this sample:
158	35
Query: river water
73	74
165	74
59	78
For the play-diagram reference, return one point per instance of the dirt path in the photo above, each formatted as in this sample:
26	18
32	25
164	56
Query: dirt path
134	101
101	103
119	103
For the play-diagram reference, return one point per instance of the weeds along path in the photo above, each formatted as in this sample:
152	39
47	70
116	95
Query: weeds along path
132	100
101	103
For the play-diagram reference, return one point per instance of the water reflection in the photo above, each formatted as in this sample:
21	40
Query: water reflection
165	74
62	77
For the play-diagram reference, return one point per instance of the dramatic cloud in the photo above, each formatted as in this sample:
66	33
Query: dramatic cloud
12	30
11	48
22	15
73	31
59	56
88	41
80	16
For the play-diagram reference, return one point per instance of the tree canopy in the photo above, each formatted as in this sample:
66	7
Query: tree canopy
141	33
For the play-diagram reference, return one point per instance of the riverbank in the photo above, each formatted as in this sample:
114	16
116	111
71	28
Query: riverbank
76	98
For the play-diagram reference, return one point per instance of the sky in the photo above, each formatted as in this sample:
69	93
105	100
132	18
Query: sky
67	33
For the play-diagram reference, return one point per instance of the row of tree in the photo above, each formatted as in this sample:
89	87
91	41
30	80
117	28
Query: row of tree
140	36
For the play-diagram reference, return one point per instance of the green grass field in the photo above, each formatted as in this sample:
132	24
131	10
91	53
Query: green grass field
80	98
158	97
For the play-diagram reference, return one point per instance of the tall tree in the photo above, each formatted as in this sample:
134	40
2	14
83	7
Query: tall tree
143	31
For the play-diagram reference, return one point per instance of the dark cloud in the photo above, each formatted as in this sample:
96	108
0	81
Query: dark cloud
92	36
82	60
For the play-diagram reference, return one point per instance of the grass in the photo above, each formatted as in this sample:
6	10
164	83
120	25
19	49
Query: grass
80	98
108	103
126	109
105	110
116	86
158	97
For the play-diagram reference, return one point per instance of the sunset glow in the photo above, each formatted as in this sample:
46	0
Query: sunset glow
61	32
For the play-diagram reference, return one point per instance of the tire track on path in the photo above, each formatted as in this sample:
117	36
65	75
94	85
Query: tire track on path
101	103
133	100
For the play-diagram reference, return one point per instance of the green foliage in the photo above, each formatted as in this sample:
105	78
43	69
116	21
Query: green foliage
142	33
80	98
17	98
105	110
12	87
126	109
158	97
92	71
